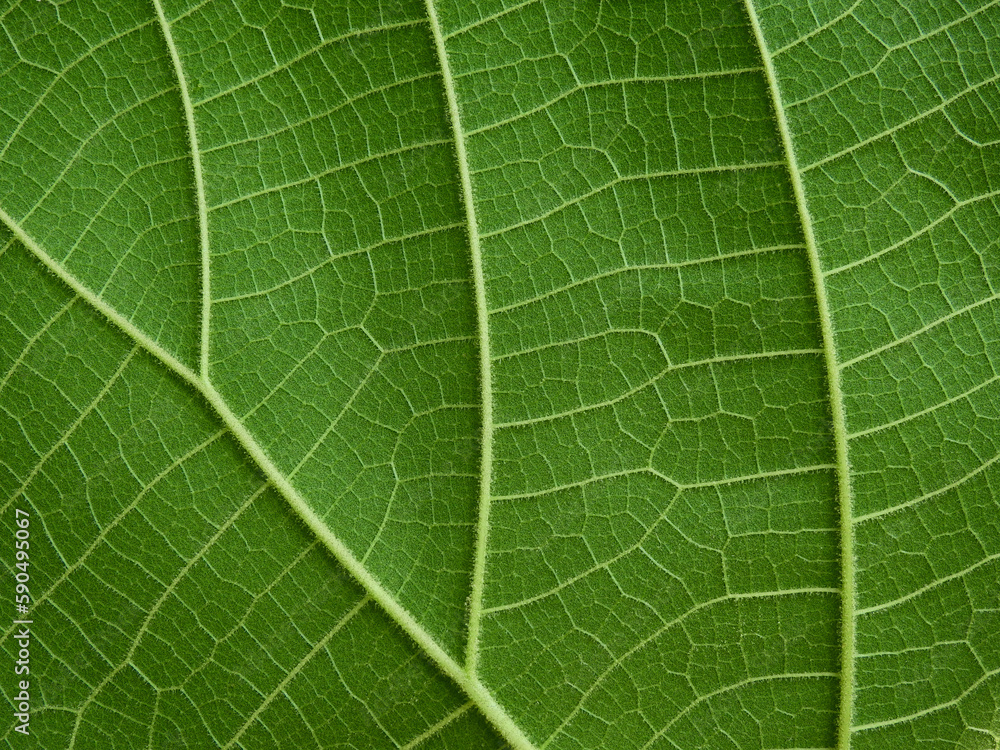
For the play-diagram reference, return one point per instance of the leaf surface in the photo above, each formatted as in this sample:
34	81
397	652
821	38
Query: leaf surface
494	374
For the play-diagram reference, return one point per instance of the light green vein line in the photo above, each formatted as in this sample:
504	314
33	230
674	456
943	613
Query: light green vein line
964	395
847	562
29	345
928	587
922	330
116	318
932	709
280	687
651	472
602	84
199	189
794	471
908	45
69	431
292	280
151	614
942	107
287	65
4	15
618	661
603	565
648	382
925	651
914	235
195	559
818	30
609	333
641	471
316	177
488	19
60	76
71	160
639	268
97	212
612	332
928	496
482	315
373	371
737	686
433	730
114	523
623	180
469	683
323	115
250	612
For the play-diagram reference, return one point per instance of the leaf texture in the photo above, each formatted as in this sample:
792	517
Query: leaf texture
503	374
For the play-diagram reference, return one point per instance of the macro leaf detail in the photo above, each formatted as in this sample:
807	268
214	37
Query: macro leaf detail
503	374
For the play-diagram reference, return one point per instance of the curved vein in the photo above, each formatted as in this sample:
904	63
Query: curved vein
199	188
466	681
71	429
168	590
486	390
280	687
845	496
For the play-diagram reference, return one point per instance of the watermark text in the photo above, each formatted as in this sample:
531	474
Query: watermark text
22	636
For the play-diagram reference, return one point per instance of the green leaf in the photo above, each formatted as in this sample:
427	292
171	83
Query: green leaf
495	374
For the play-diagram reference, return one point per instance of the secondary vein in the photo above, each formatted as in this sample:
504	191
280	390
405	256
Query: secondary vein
199	188
845	497
486	392
466	681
